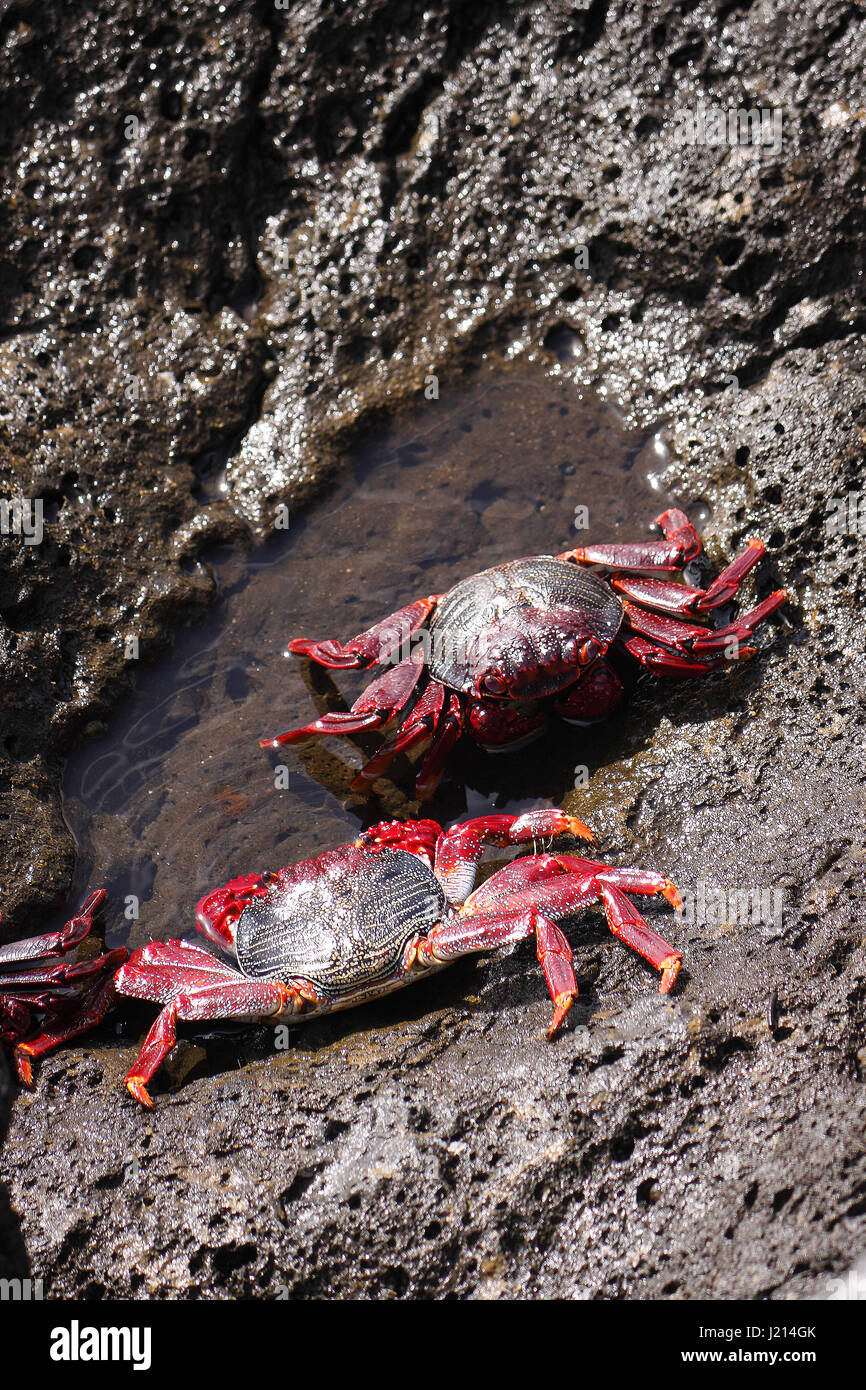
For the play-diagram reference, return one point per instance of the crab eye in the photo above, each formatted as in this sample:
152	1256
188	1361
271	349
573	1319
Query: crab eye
587	652
493	685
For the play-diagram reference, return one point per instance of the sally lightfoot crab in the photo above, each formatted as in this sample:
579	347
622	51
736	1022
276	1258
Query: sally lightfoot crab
500	650
43	1005
372	916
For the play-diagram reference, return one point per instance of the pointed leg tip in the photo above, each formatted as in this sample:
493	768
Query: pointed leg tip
137	1089
670	969
23	1067
580	830
671	894
563	1003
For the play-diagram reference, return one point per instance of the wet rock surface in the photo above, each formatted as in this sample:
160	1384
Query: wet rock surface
316	210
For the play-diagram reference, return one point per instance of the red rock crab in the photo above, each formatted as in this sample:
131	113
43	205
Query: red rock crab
331	932
499	650
372	916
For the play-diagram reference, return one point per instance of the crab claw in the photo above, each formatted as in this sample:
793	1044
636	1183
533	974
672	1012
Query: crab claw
327	653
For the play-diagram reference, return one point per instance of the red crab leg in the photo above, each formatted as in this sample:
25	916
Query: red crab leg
670	632
379	703
670	664
448	730
165	958
90	1010
162	970
556	960
459	851
419	727
741	629
513	878
723	589
241	1001
556	897
465	935
190	991
14	1018
374	646
688	638
42	981
626	922
55	943
670	597
681	544
663	595
523	873
594	696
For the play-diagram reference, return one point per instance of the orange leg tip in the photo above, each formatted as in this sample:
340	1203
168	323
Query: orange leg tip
671	894
138	1090
23	1067
563	1003
670	969
579	830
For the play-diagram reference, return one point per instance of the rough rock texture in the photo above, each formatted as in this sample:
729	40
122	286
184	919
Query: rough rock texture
13	1255
320	206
